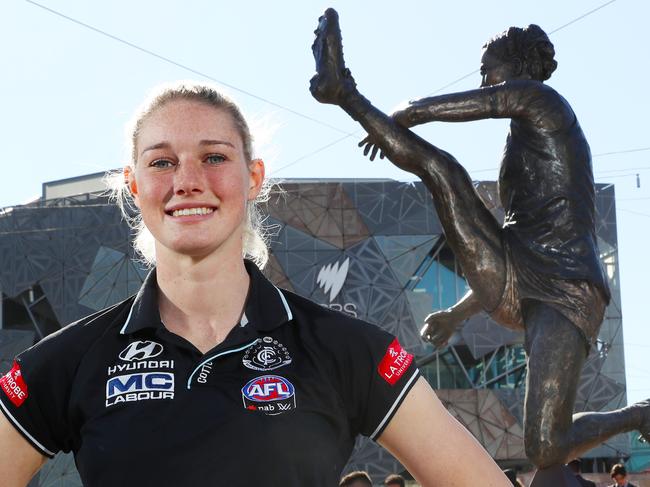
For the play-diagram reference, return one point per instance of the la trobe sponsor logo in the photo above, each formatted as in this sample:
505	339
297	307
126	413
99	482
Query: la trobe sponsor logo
395	362
13	385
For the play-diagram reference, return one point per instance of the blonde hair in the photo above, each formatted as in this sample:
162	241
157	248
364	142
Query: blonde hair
254	238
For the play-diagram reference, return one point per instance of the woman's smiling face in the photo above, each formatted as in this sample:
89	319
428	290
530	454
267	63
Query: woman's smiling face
192	180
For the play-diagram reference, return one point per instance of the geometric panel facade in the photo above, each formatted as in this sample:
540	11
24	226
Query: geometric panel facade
113	277
12	342
59	472
373	249
486	417
483	335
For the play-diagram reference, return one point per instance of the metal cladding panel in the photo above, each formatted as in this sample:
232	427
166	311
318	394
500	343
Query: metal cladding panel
321	210
12	342
394	208
355	246
606	213
59	472
483	335
113	277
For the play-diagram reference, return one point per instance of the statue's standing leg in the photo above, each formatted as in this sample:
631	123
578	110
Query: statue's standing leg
556	353
472	232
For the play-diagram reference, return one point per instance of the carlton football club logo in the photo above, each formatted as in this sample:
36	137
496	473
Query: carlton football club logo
269	394
141	351
266	354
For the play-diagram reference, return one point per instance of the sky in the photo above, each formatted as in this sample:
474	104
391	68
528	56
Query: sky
74	72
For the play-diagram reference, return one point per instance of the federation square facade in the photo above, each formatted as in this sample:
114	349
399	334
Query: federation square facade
371	248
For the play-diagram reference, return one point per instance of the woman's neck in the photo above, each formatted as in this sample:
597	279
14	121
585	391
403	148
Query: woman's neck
201	299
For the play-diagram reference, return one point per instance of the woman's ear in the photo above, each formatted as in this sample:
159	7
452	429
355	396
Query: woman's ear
256	178
129	180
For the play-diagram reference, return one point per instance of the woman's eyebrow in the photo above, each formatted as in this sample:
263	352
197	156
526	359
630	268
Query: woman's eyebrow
166	145
216	142
159	145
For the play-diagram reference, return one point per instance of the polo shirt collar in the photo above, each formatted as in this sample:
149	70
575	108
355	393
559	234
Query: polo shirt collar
266	307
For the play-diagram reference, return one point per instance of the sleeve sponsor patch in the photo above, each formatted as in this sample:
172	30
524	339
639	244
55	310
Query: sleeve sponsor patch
395	362
13	385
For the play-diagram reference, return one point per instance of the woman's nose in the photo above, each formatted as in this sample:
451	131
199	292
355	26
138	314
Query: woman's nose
188	178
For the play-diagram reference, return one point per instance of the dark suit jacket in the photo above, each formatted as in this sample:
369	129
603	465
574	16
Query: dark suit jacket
584	482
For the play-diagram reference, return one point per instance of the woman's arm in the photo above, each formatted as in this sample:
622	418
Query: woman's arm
19	461
434	447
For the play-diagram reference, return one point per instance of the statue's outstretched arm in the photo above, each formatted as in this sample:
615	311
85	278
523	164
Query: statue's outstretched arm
512	99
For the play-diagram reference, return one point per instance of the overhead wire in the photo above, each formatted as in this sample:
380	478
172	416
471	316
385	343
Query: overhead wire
187	68
457	80
266	100
586	14
602	154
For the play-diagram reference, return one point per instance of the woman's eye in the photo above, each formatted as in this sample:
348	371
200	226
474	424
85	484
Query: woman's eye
215	159
161	163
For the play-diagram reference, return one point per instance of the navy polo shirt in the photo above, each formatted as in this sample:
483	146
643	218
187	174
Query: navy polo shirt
278	402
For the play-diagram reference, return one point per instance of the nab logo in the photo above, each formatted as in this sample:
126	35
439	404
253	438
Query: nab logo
331	278
141	351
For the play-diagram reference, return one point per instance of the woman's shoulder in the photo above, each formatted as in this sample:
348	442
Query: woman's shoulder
77	337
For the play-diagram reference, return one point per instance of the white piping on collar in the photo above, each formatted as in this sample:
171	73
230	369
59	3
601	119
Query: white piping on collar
209	359
244	320
128	318
286	305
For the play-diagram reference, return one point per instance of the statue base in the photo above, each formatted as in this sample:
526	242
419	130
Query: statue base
556	476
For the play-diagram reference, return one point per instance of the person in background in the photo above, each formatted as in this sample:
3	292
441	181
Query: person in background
512	477
575	465
619	475
394	480
356	479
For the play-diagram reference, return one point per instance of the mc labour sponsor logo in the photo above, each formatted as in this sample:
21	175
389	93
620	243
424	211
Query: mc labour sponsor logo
141	351
332	276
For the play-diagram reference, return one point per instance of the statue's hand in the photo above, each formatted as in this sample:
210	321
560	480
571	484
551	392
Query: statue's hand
370	145
439	327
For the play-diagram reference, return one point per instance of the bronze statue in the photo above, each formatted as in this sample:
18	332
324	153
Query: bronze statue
539	271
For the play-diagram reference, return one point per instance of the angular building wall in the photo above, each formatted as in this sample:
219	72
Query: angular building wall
370	248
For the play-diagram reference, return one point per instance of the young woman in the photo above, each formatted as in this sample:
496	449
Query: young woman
210	373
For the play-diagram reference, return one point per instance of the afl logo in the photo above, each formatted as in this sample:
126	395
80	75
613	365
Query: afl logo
141	351
269	394
266	354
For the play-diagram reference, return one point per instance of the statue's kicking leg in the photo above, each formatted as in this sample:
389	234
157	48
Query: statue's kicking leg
472	232
556	353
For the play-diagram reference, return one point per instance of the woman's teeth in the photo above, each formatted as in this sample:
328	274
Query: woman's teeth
192	211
